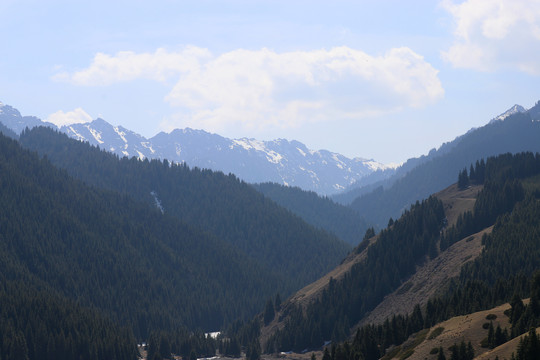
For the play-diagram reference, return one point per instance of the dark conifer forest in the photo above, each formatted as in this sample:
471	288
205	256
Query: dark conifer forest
220	204
105	250
318	211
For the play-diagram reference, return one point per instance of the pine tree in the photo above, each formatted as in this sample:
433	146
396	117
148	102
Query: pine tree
269	312
491	336
277	302
441	354
326	354
463	179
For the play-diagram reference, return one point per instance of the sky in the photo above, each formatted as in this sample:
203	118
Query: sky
384	79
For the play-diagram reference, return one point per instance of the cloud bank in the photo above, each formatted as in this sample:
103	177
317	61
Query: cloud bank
258	89
492	35
77	116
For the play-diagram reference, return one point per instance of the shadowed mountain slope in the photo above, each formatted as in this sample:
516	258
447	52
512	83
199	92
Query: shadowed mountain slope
220	204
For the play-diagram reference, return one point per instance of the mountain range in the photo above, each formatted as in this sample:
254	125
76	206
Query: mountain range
281	161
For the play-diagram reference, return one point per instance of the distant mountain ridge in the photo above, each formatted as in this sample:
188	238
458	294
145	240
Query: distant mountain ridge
418	178
281	161
388	177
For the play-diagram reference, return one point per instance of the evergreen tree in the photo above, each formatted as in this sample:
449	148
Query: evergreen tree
326	354
269	312
277	302
463	179
440	355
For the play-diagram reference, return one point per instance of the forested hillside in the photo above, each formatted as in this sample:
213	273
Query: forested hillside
515	134
143	269
8	132
38	324
281	243
318	211
390	260
510	199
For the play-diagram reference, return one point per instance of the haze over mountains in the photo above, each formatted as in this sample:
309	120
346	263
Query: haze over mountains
282	161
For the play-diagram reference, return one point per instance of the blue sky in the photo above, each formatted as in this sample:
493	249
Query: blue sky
384	79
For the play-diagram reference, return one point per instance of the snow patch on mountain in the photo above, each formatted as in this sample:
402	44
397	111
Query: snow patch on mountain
147	145
71	132
120	133
96	134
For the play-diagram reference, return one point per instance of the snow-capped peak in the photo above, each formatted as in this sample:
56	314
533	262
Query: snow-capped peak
513	110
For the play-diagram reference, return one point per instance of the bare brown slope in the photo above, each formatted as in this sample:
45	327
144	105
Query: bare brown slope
428	280
505	350
455	202
311	292
458	201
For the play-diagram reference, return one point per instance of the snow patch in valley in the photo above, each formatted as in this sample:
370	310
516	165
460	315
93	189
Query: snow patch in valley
374	166
157	201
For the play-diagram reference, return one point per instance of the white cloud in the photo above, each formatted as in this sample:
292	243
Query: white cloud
495	34
77	116
259	89
127	65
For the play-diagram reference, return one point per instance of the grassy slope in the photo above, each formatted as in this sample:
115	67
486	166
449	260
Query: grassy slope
505	350
460	328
